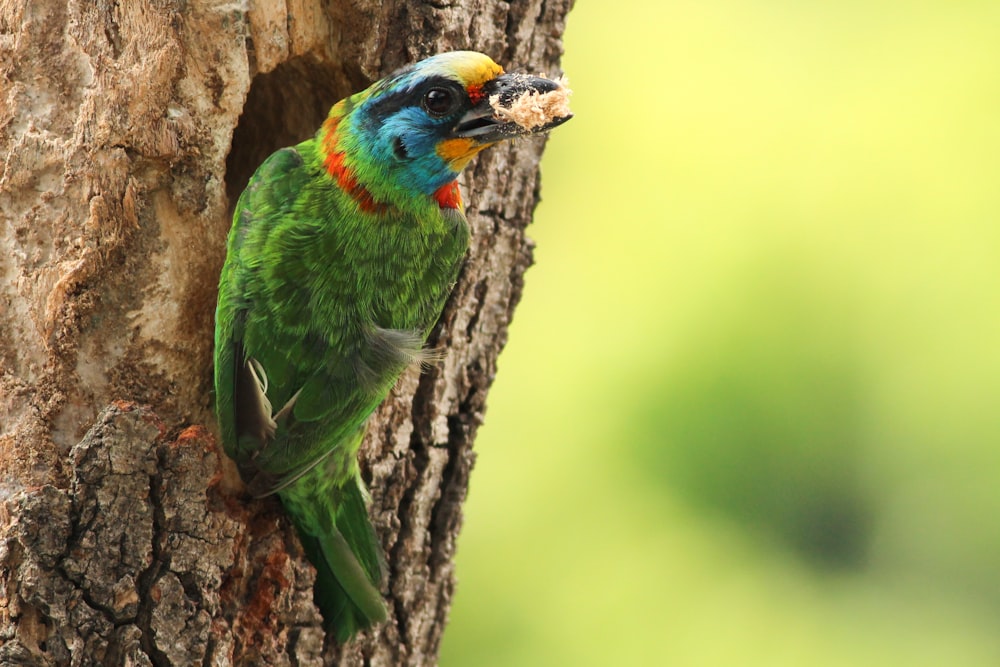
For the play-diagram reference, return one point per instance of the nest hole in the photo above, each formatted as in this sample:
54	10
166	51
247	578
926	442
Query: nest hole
284	106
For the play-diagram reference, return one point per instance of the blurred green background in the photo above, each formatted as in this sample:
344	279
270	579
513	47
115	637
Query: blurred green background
749	410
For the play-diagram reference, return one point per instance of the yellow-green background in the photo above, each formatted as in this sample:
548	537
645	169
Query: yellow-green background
750	409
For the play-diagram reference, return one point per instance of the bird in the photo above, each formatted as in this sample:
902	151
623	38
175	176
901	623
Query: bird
342	254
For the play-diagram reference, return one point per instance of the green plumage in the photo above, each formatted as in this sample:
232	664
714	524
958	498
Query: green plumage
334	306
341	256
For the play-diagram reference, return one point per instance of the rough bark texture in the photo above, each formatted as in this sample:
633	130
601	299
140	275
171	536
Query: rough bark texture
127	129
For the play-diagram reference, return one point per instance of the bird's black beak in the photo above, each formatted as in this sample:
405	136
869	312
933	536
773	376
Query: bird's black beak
514	105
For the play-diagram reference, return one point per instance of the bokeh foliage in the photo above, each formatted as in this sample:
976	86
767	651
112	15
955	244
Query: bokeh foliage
750	410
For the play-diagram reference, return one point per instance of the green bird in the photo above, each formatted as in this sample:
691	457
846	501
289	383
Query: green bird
343	251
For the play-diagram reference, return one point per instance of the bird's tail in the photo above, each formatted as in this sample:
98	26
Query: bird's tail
340	542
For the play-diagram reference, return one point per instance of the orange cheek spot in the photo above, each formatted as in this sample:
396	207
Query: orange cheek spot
454	149
458	152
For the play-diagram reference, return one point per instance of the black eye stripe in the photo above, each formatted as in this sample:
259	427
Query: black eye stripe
390	103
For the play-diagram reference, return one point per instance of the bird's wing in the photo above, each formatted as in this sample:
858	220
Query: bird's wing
242	403
302	425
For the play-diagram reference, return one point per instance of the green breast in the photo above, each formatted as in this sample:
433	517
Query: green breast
325	293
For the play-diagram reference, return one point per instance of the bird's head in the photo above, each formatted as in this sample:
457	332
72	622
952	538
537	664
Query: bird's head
416	129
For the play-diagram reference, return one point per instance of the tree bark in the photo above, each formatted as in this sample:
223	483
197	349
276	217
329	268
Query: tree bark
127	131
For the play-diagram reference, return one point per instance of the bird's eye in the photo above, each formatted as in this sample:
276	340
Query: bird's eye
439	101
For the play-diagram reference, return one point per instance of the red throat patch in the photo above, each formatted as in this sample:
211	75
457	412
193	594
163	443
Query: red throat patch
449	196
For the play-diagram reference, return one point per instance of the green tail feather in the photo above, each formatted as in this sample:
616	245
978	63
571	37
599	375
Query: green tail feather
342	545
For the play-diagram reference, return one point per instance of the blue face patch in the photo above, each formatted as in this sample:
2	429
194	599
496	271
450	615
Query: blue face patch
408	139
398	130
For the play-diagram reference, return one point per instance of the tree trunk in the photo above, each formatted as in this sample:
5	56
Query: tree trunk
127	130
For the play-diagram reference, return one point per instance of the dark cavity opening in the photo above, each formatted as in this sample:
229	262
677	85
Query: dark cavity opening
284	106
